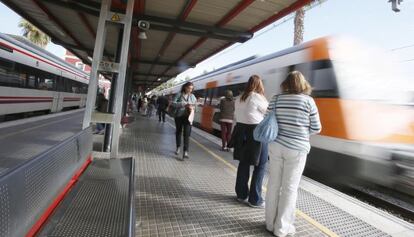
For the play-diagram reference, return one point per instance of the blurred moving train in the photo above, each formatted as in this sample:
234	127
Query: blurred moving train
33	80
366	108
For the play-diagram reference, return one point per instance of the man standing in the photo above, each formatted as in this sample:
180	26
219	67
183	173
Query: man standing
162	103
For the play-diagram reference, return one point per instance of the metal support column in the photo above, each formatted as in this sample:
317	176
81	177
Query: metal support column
121	77
120	69
111	102
97	58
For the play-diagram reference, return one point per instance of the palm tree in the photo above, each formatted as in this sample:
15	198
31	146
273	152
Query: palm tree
299	22
34	34
299	26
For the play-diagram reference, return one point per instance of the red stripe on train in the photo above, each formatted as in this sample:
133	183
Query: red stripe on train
24	101
24	97
37	58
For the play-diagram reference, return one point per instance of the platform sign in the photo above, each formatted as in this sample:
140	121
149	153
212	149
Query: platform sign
105	66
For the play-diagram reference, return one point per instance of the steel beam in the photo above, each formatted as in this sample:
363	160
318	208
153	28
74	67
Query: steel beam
162	63
227	18
170	25
97	58
121	77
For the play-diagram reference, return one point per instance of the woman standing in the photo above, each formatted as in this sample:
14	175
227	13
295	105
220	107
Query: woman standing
226	118
297	118
185	104
250	110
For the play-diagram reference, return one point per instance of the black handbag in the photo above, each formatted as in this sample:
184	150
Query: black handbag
216	117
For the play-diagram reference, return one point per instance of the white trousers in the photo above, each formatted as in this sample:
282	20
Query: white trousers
285	168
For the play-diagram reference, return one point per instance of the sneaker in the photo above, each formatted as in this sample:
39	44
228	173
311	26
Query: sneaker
185	155
244	201
177	152
259	205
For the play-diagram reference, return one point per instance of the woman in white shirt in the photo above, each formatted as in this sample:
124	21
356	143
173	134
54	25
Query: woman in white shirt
250	109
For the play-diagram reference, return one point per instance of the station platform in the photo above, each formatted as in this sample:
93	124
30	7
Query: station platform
196	197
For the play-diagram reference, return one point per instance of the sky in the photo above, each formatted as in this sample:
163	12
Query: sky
371	21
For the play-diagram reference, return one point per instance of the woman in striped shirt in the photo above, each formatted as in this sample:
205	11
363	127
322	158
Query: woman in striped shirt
297	118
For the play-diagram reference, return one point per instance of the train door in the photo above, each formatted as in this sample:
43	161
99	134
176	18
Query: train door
208	109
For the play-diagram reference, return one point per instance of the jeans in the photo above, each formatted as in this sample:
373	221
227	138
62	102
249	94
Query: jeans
100	127
225	133
285	171
243	174
161	114
182	123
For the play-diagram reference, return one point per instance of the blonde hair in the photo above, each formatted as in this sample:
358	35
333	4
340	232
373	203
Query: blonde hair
295	83
254	84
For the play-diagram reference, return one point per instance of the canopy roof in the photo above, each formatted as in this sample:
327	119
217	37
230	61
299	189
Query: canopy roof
182	33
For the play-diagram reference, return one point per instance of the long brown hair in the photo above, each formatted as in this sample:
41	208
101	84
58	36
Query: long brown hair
295	83
254	84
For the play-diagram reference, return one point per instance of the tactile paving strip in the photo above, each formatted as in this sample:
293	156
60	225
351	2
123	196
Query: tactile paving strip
191	198
334	218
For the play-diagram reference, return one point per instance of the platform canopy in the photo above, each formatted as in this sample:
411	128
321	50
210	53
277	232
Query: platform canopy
181	34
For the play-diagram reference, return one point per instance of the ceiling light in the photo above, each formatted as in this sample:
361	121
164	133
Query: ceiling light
142	35
159	79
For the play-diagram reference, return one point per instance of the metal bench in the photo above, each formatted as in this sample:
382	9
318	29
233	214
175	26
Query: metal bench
36	193
100	204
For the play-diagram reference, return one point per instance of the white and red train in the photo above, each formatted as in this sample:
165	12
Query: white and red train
33	80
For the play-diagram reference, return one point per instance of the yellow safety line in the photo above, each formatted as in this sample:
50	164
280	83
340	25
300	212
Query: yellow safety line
298	212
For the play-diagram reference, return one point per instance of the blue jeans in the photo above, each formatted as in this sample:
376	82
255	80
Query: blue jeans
100	127
243	174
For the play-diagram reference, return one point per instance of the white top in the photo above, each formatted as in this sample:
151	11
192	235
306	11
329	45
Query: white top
252	110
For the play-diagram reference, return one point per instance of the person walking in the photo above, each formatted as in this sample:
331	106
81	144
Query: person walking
297	118
185	104
226	118
144	106
152	103
101	106
162	103
250	109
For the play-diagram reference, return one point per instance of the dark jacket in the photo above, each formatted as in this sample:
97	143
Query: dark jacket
101	103
162	102
246	149
227	108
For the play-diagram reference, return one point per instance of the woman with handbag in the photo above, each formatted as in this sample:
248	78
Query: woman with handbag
226	118
297	118
184	104
250	109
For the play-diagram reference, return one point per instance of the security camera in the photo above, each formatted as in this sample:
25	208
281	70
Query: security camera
143	25
394	4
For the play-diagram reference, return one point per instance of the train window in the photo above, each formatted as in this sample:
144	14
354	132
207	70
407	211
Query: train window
215	98
199	94
31	81
323	80
9	76
46	81
60	86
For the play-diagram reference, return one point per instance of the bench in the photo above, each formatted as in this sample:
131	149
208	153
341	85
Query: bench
35	193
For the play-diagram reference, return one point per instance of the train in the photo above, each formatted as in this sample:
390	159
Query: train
366	108
33	80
